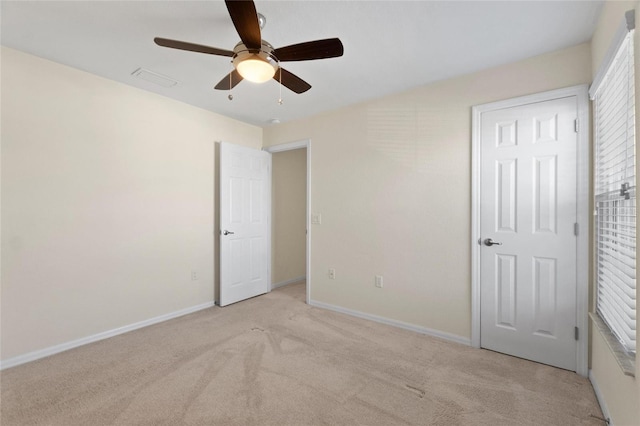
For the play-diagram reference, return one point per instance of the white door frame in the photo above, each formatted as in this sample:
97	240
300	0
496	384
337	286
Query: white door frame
583	180
306	143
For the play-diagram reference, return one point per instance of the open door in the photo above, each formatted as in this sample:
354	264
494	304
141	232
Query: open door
245	206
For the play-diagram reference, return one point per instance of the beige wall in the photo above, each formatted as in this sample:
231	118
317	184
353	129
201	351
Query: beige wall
620	393
107	203
289	195
392	180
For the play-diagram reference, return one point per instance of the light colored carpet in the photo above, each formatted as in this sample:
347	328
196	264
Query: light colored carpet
274	360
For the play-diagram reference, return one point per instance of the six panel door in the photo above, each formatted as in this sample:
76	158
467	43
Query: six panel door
528	208
245	204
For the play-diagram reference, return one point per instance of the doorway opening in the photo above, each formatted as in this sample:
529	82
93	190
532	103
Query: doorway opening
289	215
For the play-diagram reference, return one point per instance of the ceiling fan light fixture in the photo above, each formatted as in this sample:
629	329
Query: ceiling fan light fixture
256	69
253	58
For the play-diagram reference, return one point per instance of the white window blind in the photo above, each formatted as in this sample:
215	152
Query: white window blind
615	195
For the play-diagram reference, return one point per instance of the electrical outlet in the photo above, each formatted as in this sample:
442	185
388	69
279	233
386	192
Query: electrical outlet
379	281
194	275
332	274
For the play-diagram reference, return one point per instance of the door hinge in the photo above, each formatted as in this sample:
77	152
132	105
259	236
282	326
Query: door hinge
576	332
576	125
576	229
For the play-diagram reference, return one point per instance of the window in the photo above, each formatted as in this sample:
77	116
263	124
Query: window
615	192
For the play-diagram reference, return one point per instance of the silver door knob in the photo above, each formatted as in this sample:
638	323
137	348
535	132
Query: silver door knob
225	232
489	242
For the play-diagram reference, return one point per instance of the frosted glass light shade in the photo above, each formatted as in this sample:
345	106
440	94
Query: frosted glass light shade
256	70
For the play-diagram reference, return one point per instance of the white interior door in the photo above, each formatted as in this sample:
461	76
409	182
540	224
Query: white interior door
528	204
245	206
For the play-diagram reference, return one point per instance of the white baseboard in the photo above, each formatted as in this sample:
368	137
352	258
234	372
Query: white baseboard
287	282
603	405
42	353
418	329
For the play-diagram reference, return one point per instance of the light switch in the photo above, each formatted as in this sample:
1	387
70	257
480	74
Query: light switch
316	218
379	282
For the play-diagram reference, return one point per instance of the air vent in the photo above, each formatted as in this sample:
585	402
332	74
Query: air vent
154	77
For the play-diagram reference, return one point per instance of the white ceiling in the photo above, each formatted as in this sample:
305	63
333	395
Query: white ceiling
389	46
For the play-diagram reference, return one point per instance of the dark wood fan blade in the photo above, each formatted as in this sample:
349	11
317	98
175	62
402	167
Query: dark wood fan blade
318	49
183	45
245	19
229	83
291	81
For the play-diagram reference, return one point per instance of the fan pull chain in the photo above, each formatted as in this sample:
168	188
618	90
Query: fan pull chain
280	78
231	83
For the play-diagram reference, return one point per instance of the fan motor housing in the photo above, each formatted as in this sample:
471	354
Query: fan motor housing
242	53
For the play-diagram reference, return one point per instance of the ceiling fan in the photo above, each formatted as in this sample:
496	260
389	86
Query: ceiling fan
253	58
